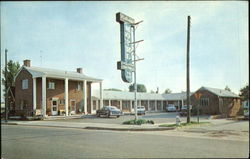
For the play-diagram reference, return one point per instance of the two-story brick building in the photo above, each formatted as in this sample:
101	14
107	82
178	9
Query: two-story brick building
53	92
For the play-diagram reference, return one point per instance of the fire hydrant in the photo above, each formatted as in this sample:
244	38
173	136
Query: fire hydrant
178	121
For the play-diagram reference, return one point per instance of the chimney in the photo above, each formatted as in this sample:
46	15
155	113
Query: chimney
26	63
79	70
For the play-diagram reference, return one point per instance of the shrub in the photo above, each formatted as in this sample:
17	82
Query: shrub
138	122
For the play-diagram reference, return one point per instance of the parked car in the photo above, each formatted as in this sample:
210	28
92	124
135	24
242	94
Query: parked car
140	110
183	111
171	108
109	111
246	109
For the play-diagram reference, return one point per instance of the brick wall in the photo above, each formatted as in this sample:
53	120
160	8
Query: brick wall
213	104
217	105
24	94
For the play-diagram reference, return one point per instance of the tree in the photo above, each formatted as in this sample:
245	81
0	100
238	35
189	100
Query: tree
12	69
227	88
244	92
140	88
168	91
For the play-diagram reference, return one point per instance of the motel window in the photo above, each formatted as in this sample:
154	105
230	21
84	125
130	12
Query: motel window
61	101
25	84
23	104
79	86
204	101
51	85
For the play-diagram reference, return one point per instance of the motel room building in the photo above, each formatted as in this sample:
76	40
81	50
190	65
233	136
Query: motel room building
153	102
45	91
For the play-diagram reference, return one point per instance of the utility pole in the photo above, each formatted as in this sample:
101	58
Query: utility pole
188	80
6	92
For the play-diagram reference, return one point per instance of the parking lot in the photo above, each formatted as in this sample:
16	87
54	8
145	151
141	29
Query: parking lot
161	117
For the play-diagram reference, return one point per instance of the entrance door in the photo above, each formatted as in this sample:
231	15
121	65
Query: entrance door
73	107
54	107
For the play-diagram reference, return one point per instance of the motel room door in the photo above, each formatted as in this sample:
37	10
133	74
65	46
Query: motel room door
54	107
72	107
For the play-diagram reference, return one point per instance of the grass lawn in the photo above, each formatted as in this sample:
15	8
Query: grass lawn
184	124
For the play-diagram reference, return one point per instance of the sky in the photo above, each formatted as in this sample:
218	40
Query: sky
67	35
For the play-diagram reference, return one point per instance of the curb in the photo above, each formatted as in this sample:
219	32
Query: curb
9	123
99	128
129	129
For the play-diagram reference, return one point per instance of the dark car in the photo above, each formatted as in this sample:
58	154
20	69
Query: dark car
183	111
109	111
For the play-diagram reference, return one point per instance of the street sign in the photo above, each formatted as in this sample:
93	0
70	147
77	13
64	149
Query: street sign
126	63
197	95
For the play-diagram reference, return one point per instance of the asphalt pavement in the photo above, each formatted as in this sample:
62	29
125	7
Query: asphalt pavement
20	141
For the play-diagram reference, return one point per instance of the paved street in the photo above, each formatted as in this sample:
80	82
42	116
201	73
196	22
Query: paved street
41	142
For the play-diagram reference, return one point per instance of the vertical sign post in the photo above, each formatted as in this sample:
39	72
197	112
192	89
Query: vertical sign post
197	96
188	81
127	65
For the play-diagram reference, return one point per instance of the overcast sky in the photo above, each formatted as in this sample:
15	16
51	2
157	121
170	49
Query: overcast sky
66	35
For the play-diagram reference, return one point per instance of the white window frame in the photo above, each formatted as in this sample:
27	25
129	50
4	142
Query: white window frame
25	84
51	85
204	102
61	101
79	86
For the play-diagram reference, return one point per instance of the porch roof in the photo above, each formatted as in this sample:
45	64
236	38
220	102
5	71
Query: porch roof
55	73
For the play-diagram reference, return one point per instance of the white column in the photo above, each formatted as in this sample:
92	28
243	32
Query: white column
121	104
109	102
34	95
139	102
97	104
131	105
85	96
155	105
148	105
91	106
162	105
44	96
182	102
66	90
101	95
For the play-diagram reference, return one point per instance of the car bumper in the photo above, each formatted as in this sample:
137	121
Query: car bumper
116	113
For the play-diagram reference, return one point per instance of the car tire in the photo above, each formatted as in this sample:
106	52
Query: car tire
108	114
118	116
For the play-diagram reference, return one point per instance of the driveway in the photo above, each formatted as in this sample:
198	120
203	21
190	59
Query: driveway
162	117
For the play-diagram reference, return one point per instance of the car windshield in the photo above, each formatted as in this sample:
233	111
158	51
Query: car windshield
184	107
113	108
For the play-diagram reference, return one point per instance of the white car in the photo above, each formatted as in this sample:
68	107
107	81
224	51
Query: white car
171	108
140	110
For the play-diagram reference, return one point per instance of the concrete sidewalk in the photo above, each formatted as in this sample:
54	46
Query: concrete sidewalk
216	124
95	126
